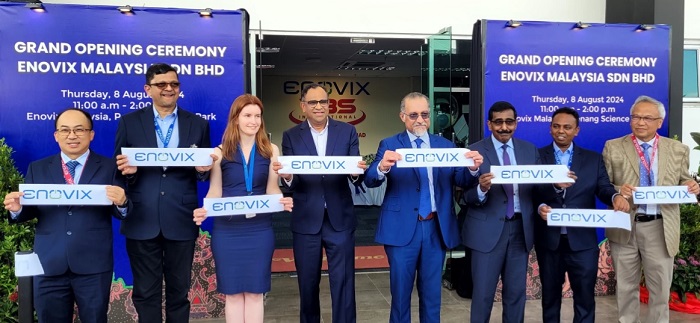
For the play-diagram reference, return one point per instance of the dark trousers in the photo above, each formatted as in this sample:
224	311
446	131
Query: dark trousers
509	261
308	256
151	261
55	297
582	267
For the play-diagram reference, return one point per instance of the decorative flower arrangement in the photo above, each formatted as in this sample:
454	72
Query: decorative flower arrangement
686	272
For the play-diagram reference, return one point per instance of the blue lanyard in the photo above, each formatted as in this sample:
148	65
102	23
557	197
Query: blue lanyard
165	140
248	172
571	157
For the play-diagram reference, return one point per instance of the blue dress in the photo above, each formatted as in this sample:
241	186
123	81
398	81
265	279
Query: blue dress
243	247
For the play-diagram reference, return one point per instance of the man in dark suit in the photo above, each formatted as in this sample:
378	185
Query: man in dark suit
160	237
74	243
417	223
573	250
499	225
323	214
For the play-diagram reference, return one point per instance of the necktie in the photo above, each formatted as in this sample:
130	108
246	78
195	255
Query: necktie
510	208
425	206
645	179
71	168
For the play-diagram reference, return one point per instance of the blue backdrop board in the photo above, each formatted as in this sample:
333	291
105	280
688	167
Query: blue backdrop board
599	71
95	58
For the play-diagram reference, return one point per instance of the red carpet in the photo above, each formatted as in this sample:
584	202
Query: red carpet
365	258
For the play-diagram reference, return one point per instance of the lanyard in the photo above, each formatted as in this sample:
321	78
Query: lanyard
646	165
248	168
66	172
165	140
571	157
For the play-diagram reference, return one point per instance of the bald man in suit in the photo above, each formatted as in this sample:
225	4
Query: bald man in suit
644	158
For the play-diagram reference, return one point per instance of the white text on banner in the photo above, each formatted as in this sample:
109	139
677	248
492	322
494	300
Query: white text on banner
320	165
663	195
63	194
168	156
589	218
243	205
434	157
534	174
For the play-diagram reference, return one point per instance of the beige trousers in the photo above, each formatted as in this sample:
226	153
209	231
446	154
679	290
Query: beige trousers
646	251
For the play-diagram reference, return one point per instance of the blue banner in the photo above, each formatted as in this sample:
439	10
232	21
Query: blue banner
599	71
95	58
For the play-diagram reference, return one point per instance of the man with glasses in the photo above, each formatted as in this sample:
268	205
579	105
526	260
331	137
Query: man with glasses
417	223
644	158
160	236
74	243
500	220
323	215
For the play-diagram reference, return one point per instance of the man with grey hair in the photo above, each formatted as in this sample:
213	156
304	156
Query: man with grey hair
417	223
653	241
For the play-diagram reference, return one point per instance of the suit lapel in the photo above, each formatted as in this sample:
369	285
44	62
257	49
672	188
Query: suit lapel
663	154
149	130
406	143
631	154
56	170
577	156
306	138
490	152
332	136
89	169
183	126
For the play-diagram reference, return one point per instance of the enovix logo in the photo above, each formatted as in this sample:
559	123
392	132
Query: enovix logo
663	195
578	217
329	165
247	205
241	205
63	194
431	157
162	157
58	194
527	173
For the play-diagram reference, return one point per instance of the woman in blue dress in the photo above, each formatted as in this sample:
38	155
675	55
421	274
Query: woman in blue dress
242	245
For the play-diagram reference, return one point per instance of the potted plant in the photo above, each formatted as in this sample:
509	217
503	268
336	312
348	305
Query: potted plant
15	237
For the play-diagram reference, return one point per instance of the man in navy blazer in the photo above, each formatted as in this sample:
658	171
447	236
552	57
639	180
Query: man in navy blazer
323	214
160	236
570	249
500	221
74	243
417	223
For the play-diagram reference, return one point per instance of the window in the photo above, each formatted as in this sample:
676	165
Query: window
690	73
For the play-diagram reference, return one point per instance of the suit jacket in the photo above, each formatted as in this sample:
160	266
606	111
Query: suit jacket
399	214
622	163
163	199
312	191
485	220
592	180
73	237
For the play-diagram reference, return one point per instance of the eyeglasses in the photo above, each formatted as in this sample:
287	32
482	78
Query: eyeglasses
647	119
65	132
313	103
500	122
163	85
414	115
